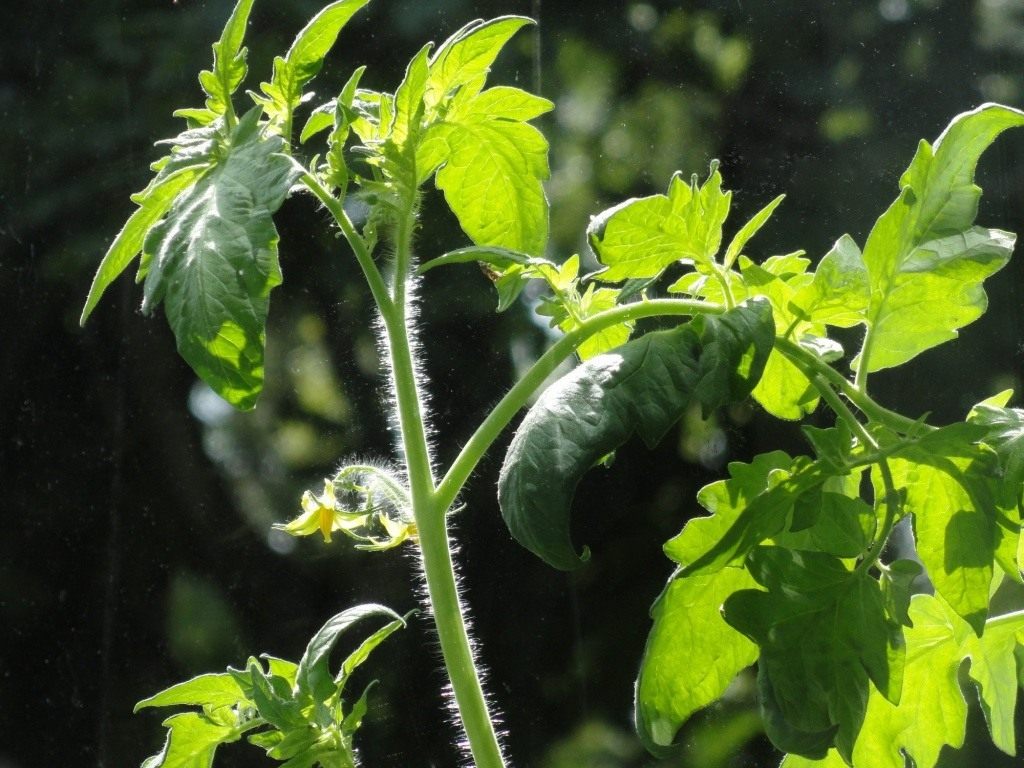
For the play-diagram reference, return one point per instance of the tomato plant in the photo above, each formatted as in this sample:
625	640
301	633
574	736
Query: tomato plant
857	656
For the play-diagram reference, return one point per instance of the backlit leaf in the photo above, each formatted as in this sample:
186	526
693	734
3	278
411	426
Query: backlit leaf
214	262
932	711
925	260
692	655
643	236
823	634
313	676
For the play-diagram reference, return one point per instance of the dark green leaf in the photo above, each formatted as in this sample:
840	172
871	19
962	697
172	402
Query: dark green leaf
692	655
214	262
823	634
643	386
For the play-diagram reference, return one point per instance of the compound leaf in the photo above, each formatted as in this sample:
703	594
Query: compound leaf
643	386
692	655
214	261
303	62
925	260
229	67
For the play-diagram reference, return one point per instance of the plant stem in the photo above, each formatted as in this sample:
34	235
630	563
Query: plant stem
811	365
431	521
891	498
506	409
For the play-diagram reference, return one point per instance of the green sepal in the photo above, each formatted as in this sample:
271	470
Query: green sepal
643	386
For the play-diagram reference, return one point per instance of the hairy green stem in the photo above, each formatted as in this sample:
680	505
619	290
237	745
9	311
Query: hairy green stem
431	522
378	288
506	409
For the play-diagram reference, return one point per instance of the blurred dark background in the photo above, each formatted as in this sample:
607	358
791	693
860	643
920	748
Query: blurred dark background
135	506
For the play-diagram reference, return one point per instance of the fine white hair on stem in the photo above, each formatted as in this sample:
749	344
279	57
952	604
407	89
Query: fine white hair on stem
448	694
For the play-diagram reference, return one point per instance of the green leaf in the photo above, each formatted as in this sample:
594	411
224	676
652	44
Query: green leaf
409	98
925	260
313	676
643	236
840	292
1006	435
362	653
303	62
491	173
835	524
214	262
210	690
949	488
897	582
192	741
229	68
748	230
823	634
282	668
932	711
784	391
157	201
752	507
691	656
643	386
831	760
592	302
466	57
